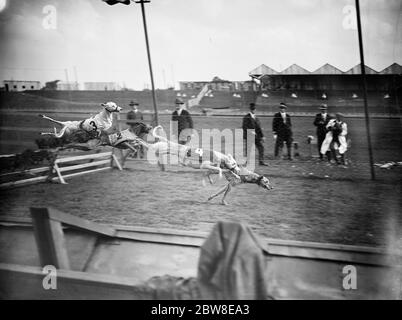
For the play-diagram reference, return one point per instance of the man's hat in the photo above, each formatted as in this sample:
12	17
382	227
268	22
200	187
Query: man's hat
252	106
179	101
323	107
133	103
282	106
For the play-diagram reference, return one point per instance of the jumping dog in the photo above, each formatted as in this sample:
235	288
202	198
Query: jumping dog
100	122
244	176
196	158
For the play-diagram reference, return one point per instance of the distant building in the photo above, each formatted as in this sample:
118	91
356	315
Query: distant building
328	78
21	85
62	85
101	86
218	84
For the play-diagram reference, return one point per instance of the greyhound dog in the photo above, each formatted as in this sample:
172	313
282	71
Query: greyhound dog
196	158
100	122
126	139
244	176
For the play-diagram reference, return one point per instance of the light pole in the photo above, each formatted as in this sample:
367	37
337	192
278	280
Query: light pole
149	58
127	2
363	71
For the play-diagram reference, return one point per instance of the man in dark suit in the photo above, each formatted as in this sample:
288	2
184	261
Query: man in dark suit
282	129
183	117
250	121
134	114
321	120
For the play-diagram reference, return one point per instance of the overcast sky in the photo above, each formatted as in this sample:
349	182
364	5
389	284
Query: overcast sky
190	39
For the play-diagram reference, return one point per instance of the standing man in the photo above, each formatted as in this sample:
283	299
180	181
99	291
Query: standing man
321	121
133	116
335	139
250	121
282	129
183	117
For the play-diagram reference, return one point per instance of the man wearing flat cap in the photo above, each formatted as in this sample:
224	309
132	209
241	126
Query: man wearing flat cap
282	129
321	120
184	121
251	122
134	114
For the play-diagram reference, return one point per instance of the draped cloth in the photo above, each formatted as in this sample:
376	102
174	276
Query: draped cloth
231	266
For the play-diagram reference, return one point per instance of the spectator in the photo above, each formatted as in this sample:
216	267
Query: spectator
183	117
335	139
321	120
282	129
134	115
250	121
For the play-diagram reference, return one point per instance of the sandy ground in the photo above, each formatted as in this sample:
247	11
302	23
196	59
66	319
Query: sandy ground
311	201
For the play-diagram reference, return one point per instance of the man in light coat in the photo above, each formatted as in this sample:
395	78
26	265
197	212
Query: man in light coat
335	138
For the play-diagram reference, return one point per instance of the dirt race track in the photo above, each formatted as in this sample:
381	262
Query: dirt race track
304	205
311	200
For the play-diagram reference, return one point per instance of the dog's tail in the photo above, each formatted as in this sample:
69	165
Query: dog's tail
157	135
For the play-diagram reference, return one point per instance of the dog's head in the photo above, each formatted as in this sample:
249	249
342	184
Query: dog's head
111	107
265	183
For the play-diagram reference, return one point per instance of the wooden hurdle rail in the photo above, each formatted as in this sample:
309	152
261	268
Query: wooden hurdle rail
110	158
62	170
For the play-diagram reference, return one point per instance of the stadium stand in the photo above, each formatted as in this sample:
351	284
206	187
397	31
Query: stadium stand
234	100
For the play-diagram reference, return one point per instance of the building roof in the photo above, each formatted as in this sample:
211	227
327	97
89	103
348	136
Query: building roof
392	69
356	70
262	70
327	69
295	69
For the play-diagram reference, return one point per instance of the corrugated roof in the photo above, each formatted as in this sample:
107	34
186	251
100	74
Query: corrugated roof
295	69
327	69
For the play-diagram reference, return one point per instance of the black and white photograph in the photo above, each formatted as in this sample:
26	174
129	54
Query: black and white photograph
222	150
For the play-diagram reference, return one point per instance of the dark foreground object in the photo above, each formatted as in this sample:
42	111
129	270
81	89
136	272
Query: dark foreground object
97	261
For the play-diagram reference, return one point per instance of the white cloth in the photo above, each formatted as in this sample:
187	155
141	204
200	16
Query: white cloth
343	146
283	114
252	115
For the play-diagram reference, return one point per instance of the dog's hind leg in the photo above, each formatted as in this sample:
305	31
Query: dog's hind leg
211	167
52	120
228	189
222	190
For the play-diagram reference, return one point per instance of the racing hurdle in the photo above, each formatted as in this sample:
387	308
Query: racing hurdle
63	169
95	160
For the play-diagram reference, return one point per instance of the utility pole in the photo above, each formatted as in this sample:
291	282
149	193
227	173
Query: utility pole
364	83
149	58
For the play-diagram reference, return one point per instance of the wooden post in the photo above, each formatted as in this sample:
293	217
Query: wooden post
50	239
57	169
116	161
